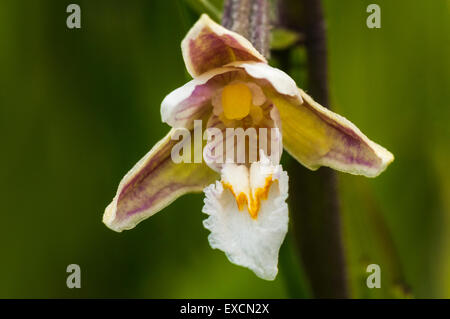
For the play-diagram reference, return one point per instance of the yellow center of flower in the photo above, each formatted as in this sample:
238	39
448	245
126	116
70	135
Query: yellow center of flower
252	200
236	101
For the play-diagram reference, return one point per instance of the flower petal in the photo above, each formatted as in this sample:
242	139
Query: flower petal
193	100
277	79
249	242
208	45
152	184
316	137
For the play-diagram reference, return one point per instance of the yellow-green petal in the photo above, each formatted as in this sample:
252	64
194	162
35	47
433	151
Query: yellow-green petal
316	137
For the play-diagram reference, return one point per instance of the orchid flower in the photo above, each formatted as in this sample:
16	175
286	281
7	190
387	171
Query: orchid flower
233	86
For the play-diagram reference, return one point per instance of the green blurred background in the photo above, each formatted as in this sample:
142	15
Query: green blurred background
80	107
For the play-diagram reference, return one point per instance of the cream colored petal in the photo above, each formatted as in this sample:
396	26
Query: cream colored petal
208	45
265	74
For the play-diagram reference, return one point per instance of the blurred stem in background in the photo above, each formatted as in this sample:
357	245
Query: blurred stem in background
314	202
249	18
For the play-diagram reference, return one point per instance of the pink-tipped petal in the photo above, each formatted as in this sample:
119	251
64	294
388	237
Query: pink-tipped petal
152	184
316	137
208	45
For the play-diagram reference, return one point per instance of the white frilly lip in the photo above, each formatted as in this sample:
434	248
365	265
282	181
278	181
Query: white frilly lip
246	241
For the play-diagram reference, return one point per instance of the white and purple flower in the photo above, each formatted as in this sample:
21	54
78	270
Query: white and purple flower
234	87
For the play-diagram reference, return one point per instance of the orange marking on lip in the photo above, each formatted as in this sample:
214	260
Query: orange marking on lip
254	204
